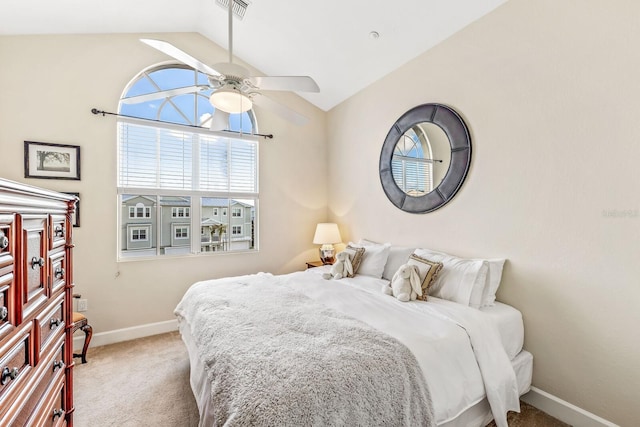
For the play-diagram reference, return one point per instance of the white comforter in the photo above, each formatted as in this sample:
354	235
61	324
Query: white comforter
457	347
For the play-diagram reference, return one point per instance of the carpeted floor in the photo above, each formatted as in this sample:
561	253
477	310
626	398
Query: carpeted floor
145	383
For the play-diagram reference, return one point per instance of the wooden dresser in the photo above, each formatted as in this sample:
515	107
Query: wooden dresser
36	281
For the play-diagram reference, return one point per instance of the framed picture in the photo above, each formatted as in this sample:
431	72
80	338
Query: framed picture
51	161
75	219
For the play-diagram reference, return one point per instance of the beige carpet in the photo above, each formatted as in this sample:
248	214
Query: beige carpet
145	383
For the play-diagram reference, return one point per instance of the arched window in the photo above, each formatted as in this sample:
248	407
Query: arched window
412	163
171	163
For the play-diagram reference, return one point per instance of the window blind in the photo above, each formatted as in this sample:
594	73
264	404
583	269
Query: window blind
412	175
171	158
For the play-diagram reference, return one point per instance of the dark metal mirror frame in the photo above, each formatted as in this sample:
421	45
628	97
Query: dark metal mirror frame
460	141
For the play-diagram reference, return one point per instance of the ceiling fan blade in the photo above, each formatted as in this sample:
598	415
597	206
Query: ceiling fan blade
162	94
286	113
169	49
290	83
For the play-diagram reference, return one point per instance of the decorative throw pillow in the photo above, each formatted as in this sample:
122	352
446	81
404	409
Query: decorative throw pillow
427	270
355	254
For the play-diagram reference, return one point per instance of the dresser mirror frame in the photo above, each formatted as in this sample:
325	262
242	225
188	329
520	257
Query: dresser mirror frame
460	141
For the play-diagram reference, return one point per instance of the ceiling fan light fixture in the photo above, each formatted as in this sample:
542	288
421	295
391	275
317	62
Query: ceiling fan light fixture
230	101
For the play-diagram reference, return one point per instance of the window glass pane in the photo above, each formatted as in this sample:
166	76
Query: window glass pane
240	122
171	78
220	232
169	113
147	110
138	228
186	104
141	87
174	230
204	109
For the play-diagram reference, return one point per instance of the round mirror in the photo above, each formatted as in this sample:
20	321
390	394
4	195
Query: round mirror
425	158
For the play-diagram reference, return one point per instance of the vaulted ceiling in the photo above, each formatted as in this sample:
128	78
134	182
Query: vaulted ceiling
329	40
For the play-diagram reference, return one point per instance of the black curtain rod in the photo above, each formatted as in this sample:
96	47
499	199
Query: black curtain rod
104	113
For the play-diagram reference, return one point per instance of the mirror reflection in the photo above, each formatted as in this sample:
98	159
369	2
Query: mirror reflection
421	159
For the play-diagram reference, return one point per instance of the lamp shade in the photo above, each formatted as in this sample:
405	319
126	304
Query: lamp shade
230	101
327	233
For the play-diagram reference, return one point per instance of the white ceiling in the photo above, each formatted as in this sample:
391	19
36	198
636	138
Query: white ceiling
328	40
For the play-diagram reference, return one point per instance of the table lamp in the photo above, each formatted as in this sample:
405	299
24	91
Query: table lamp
327	234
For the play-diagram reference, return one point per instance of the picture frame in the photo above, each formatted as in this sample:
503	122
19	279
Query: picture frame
75	219
51	161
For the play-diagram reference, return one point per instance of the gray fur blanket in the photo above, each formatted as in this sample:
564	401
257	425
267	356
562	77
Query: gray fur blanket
275	357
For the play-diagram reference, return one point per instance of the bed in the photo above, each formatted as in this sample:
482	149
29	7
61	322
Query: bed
297	349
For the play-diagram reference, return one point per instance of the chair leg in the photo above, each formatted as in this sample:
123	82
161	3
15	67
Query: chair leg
88	332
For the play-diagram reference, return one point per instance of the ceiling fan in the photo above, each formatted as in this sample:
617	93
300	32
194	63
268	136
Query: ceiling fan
234	89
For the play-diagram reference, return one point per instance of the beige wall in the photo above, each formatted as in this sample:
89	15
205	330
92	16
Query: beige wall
550	92
48	85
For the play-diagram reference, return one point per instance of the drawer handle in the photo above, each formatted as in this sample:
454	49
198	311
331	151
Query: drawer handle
4	241
4	313
59	231
57	364
57	413
54	323
9	374
37	261
59	273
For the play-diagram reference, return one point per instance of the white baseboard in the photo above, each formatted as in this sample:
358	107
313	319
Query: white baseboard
126	334
564	411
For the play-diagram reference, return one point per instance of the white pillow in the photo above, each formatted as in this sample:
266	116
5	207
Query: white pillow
374	258
493	281
479	285
458	277
398	255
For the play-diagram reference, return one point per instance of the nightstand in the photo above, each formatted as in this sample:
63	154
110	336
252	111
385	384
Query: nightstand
312	264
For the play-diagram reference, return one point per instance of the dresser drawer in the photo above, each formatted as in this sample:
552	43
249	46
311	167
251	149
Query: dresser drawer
52	362
35	402
15	364
49	325
34	265
58	271
7	244
58	231
50	410
7	317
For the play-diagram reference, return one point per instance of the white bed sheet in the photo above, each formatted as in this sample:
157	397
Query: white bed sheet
509	322
443	350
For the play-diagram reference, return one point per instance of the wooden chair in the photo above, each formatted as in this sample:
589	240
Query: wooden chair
81	322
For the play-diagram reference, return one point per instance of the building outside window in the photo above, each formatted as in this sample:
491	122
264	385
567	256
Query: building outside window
181	232
180	212
139	234
180	178
138	237
139	211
